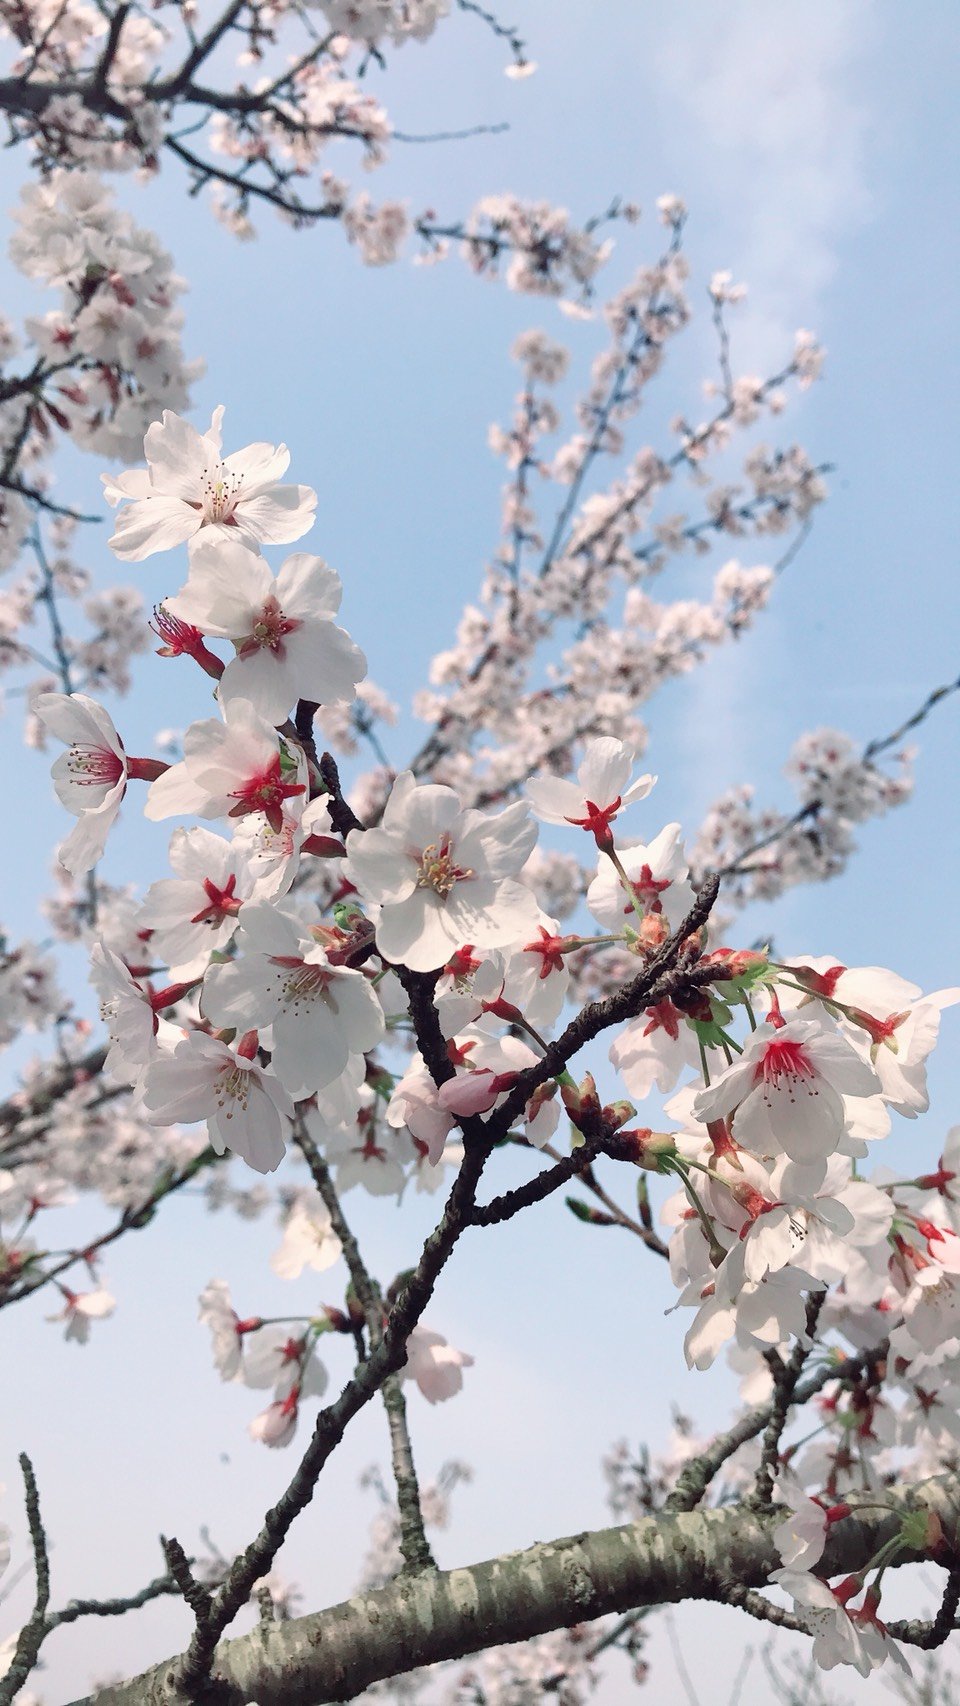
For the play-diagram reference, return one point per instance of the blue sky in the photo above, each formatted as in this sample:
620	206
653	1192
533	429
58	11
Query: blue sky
818	160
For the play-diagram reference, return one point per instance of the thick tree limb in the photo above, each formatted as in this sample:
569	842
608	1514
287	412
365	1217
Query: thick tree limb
335	1654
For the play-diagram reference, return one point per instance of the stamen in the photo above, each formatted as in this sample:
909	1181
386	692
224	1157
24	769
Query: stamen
438	871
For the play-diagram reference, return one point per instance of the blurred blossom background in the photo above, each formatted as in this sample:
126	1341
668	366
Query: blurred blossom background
815	147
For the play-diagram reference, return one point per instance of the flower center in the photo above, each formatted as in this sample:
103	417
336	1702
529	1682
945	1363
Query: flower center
438	870
265	792
222	903
219	491
97	766
647	889
232	1087
305	985
783	1060
269	630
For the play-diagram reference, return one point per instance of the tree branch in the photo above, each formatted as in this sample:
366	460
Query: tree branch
413	1540
700	1471
132	1220
385	1359
33	1632
661	1560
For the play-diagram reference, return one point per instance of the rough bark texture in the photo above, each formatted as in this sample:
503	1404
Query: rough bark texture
335	1654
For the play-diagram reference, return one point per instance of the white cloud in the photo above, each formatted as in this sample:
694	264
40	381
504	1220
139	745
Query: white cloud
774	140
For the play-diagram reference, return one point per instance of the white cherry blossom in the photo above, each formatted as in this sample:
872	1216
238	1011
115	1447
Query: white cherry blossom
246	1108
288	645
434	1364
309	1240
800	1538
195	912
90	777
128	1013
188	485
320	1013
80	1308
415	1106
442	876
231	768
654	1049
217	1312
657	873
601	791
786	1090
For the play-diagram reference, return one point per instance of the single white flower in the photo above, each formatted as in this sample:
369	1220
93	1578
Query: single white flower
434	1364
195	912
442	876
320	1013
231	768
246	1108
658	876
80	1308
600	792
217	1312
309	1240
90	777
836	1637
786	1090
188	486
288	645
127	1012
800	1538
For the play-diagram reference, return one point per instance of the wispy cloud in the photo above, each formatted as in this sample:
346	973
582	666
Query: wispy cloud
774	138
768	115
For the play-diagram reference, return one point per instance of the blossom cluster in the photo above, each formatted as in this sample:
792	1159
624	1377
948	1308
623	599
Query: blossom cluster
259	988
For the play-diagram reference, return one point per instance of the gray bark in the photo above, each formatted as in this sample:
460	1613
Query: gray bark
420	1620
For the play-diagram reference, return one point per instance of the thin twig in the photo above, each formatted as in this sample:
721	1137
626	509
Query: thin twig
36	1628
132	1220
700	1471
413	1540
786	1376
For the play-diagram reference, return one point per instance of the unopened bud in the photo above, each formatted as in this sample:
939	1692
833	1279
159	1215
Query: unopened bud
654	1150
347	915
654	931
591	1216
581	1101
616	1114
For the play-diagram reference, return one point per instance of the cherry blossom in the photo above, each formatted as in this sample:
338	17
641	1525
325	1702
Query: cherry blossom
415	1106
80	1308
442	876
246	1108
127	1011
657	876
801	1537
188	486
276	1358
786	1090
226	1328
654	1049
90	777
288	645
276	1425
308	1240
492	1070
320	1013
840	1636
600	792
434	1364
195	913
231	768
